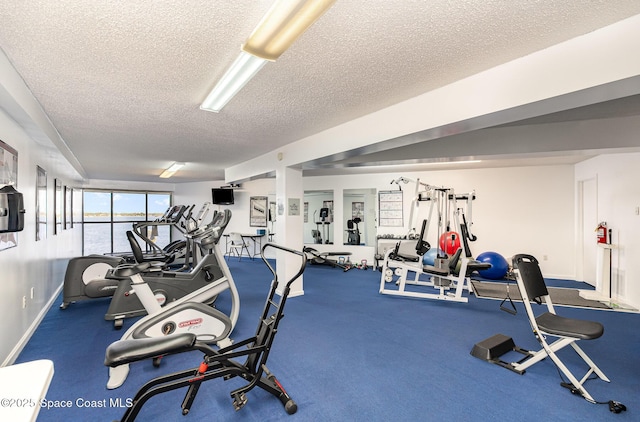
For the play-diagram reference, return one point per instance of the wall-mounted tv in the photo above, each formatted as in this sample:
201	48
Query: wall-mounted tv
222	196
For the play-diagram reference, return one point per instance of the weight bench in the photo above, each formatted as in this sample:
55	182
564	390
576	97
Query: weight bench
324	258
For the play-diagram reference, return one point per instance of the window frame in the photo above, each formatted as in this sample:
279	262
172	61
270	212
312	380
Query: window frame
111	221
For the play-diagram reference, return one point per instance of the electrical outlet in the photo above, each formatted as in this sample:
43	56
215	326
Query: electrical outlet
24	302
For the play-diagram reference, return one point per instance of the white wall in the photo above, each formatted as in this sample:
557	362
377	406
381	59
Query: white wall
199	193
517	210
618	199
38	265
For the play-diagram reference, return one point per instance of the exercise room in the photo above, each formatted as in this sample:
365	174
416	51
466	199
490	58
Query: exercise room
319	210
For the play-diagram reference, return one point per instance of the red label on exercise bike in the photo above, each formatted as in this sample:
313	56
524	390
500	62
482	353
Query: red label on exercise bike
191	322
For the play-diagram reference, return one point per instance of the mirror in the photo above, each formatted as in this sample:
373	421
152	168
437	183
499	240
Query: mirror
360	209
318	217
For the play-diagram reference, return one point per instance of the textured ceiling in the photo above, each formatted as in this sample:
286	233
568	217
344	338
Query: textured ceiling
122	81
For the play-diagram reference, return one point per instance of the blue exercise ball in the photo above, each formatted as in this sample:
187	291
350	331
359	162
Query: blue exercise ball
429	258
499	265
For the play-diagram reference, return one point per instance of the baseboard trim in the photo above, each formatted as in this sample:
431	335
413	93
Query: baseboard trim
15	352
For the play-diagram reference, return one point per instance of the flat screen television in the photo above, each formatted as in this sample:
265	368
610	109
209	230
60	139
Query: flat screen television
222	196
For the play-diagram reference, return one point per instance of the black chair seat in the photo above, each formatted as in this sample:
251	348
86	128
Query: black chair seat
569	327
127	351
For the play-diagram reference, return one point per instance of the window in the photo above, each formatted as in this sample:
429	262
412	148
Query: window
107	215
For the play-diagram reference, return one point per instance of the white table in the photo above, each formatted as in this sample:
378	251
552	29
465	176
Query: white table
22	386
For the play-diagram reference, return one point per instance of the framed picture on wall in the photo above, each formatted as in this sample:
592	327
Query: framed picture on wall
41	203
357	210
57	206
68	206
258	211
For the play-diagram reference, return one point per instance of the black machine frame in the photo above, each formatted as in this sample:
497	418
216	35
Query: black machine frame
216	363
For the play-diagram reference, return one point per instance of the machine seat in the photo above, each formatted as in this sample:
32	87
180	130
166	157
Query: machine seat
127	351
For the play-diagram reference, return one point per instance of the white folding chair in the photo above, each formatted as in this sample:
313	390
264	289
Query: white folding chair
237	245
567	331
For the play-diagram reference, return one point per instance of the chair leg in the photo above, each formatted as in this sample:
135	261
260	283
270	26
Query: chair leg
572	379
578	384
589	362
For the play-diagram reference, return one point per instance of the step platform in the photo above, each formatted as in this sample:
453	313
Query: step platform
494	347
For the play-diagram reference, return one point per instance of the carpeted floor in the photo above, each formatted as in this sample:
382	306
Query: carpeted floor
346	353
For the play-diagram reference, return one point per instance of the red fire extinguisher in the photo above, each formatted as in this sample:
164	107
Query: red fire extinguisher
602	233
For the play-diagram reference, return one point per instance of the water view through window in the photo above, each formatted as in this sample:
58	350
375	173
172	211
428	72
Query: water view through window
107	215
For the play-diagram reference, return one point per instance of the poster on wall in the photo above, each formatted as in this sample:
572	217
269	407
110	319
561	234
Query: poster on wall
258	211
390	208
41	203
8	176
357	210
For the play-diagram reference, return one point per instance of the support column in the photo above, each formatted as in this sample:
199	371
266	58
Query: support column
289	225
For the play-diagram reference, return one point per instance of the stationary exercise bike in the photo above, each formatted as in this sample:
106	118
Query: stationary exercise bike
353	231
188	314
216	363
169	286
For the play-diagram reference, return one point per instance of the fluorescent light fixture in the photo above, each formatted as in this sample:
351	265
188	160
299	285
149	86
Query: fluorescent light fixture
278	29
171	170
441	163
240	72
282	25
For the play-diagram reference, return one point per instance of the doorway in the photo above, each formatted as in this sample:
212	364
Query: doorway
588	220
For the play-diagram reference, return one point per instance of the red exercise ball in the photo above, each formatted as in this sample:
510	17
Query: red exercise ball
450	242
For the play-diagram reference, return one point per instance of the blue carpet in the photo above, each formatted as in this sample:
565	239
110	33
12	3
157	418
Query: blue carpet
346	353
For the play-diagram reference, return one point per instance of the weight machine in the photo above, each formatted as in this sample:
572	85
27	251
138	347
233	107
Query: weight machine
444	275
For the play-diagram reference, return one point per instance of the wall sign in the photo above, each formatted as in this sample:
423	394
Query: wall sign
293	206
390	208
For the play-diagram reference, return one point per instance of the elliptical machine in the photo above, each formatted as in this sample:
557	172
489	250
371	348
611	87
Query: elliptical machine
85	277
190	313
169	286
